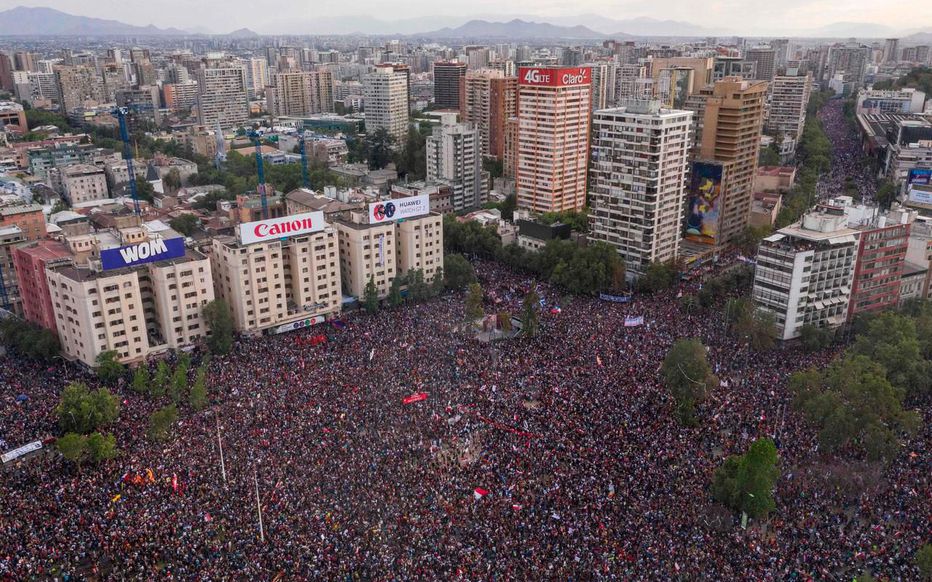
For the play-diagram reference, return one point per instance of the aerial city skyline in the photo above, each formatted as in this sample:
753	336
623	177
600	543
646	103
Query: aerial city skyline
494	292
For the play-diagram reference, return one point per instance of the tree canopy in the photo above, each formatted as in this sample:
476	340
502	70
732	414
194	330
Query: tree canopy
688	376
83	411
745	482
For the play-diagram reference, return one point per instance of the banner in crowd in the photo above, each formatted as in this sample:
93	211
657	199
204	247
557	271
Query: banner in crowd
159	249
300	324
399	208
632	321
615	298
416	397
705	201
20	451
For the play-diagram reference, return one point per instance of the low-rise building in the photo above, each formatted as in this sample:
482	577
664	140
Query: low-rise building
28	217
84	183
765	207
804	272
31	261
774	178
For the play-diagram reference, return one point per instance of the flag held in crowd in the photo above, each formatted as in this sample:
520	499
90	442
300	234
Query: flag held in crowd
479	493
416	397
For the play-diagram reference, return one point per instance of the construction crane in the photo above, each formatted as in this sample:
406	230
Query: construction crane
256	138
121	113
304	174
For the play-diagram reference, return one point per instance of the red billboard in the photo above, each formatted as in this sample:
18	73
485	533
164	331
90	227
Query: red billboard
554	77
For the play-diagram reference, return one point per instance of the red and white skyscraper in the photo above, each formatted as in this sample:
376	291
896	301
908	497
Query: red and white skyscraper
552	145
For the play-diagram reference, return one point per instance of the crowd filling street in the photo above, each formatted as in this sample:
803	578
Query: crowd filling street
849	164
557	457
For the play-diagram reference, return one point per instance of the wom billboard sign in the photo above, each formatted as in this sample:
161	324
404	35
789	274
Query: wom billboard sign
159	249
279	228
547	77
399	208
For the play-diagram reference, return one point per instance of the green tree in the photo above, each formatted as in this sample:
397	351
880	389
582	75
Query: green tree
394	292
494	166
179	382
688	376
220	322
474	309
72	447
749	239
854	407
171	182
458	272
162	422
658	276
504	321
101	447
437	284
770	155
82	411
185	224
923	561
109	369
892	341
411	159
38	117
140	383
530	324
198	396
378	148
886	193
745	482
814	338
161	380
144	190
371	296
418	289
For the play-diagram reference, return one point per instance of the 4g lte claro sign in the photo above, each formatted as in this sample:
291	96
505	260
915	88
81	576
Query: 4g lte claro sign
548	77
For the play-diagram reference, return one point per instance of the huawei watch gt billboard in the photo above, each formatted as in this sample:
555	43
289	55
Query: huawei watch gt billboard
390	210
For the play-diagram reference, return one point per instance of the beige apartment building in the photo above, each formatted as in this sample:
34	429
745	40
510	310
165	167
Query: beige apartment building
366	250
274	283
382	251
135	311
84	183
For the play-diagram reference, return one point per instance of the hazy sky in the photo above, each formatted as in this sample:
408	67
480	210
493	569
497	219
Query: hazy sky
743	16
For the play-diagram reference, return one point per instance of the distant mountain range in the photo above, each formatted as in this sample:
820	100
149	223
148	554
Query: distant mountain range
516	29
40	21
26	21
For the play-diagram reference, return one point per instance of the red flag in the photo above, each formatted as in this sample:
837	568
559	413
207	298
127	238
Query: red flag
416	397
175	483
479	493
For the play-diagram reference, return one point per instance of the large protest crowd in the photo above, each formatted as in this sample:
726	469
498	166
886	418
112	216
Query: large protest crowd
849	167
550	458
556	457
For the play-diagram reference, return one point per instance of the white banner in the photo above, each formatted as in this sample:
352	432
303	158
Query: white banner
399	208
300	324
279	228
23	450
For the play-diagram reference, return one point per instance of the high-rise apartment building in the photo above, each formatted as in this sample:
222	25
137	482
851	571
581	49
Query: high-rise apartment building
31	260
491	98
554	106
449	84
291	94
632	82
637	184
849	62
6	72
386	102
257	76
764	59
891	51
454	157
732	120
789	97
603	84
25	61
222	96
78	86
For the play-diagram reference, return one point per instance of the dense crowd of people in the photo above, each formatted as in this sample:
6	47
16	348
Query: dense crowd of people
549	458
571	434
849	167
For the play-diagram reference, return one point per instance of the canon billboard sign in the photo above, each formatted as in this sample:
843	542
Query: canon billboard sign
548	77
279	228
